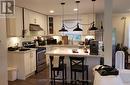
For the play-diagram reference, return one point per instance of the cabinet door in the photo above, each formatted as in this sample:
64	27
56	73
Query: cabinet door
56	25
50	23
19	21
11	26
14	23
42	21
36	18
26	22
33	61
27	63
32	18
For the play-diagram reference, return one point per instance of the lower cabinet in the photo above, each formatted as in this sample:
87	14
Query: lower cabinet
33	61
27	64
24	62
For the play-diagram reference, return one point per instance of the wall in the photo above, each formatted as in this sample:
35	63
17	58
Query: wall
118	24
13	41
122	28
99	33
3	53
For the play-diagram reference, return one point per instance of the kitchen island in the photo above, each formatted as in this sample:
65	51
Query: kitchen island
90	60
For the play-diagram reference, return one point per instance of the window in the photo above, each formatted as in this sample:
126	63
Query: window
72	35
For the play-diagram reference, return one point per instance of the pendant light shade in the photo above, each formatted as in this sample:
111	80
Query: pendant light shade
101	26
93	23
63	26
63	29
77	26
93	27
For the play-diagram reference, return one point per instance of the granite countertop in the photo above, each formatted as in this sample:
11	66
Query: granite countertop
65	51
17	51
62	46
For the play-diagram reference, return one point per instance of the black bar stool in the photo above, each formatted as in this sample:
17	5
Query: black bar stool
60	68
77	65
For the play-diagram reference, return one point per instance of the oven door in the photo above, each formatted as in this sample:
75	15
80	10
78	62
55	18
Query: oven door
40	60
41	57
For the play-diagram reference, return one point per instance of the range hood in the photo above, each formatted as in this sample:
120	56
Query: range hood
35	27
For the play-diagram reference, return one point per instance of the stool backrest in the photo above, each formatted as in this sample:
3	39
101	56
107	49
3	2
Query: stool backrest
61	61
77	61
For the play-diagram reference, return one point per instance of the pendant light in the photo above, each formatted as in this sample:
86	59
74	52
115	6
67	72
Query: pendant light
77	27
63	26
93	23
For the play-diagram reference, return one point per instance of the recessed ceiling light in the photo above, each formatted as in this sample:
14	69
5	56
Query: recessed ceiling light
75	9
51	11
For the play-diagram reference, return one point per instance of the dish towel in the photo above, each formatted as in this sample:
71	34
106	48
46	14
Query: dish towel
56	61
119	60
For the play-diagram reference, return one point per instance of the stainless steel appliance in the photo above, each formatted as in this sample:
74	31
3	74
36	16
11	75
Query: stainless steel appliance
94	47
40	59
40	55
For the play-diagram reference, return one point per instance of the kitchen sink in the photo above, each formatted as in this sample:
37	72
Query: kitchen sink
12	48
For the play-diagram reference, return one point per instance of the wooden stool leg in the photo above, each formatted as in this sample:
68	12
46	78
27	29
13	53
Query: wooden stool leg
63	77
87	76
71	77
54	78
82	77
51	78
75	78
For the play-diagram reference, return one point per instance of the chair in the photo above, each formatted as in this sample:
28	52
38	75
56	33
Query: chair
120	65
77	66
61	68
120	60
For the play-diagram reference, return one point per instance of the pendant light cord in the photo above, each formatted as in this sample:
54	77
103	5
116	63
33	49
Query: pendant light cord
93	11
62	12
77	13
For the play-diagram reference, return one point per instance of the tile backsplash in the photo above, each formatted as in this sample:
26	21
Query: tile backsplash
13	41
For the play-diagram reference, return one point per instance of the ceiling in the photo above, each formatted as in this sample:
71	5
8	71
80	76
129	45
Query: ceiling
85	6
